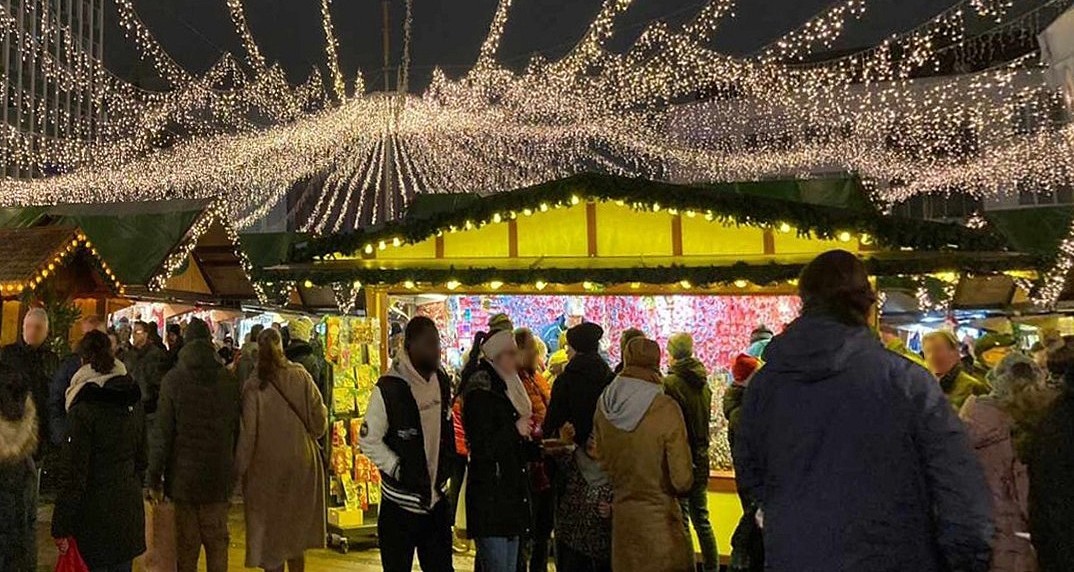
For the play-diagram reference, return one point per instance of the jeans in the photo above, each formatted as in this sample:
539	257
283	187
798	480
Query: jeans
497	554
695	509
197	526
125	567
401	533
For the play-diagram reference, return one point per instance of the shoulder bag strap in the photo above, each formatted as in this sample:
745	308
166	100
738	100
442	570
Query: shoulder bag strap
294	409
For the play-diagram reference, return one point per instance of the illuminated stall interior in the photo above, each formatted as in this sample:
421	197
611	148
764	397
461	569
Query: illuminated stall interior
715	261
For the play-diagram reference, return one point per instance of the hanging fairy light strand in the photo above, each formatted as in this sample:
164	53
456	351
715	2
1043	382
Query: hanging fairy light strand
363	157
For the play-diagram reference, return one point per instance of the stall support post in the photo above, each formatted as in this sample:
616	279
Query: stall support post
376	303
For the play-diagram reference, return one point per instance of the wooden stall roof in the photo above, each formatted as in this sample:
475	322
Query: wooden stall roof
30	256
142	240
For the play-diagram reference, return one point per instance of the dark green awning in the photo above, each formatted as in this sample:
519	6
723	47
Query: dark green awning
134	238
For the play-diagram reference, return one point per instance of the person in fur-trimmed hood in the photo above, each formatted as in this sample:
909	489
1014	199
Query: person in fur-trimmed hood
18	474
99	503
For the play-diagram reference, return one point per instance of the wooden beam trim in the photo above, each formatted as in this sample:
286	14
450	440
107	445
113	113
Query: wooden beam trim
512	239
676	235
591	227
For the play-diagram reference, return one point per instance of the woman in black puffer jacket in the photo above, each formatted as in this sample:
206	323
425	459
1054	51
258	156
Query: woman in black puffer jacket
102	462
497	415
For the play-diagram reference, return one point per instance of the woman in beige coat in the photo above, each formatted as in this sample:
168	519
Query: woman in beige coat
641	441
282	474
990	425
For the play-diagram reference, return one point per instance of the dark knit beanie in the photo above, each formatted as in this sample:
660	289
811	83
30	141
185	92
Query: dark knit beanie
197	330
585	338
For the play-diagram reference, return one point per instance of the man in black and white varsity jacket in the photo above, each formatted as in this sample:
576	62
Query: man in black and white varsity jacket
408	433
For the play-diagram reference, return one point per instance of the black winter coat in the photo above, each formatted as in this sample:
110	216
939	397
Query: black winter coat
575	394
146	366
1051	497
197	428
39	364
100	498
497	494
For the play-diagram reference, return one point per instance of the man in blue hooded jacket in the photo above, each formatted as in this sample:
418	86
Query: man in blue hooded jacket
852	452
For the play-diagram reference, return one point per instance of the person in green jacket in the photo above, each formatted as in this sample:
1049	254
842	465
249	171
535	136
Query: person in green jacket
891	340
687	384
945	362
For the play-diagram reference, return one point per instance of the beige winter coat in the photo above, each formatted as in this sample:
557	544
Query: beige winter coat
649	468
989	429
281	469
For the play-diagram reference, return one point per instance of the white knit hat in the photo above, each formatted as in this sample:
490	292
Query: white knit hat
498	343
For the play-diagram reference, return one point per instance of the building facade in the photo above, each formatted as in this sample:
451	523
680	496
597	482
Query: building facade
49	59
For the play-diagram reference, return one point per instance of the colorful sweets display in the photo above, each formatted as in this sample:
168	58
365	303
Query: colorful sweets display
721	325
353	349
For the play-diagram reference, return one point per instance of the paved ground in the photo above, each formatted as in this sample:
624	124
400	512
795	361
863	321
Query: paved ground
360	559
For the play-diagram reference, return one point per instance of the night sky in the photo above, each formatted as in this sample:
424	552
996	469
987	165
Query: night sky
448	33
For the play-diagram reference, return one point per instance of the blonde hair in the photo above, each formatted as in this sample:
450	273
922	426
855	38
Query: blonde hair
270	358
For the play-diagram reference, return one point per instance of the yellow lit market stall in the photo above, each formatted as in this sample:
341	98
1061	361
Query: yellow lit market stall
714	261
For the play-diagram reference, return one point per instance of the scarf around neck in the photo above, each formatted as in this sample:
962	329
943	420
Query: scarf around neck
85	376
520	399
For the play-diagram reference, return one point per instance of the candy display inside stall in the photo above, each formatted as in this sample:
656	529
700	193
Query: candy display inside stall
352	347
721	325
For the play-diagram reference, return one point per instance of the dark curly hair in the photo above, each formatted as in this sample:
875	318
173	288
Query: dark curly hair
95	349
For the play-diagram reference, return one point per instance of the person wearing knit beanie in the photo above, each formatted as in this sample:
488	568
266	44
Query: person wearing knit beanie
301	329
644	449
624	339
577	389
743	367
197	329
585	338
501	322
681	346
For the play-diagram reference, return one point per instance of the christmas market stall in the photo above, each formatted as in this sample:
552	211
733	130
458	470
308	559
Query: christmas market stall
716	261
56	268
179	251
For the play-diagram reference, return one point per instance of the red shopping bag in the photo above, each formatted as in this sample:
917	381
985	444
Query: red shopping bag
71	561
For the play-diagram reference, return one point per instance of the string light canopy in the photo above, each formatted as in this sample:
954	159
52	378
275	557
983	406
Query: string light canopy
359	159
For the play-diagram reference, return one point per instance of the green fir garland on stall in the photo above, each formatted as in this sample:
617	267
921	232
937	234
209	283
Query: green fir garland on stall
724	204
757	274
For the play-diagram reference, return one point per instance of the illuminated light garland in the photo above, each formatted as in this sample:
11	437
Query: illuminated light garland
496	129
346	295
58	258
1055	279
331	46
216	213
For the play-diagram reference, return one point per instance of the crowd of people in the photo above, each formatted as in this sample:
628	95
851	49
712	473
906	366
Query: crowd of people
130	419
851	452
